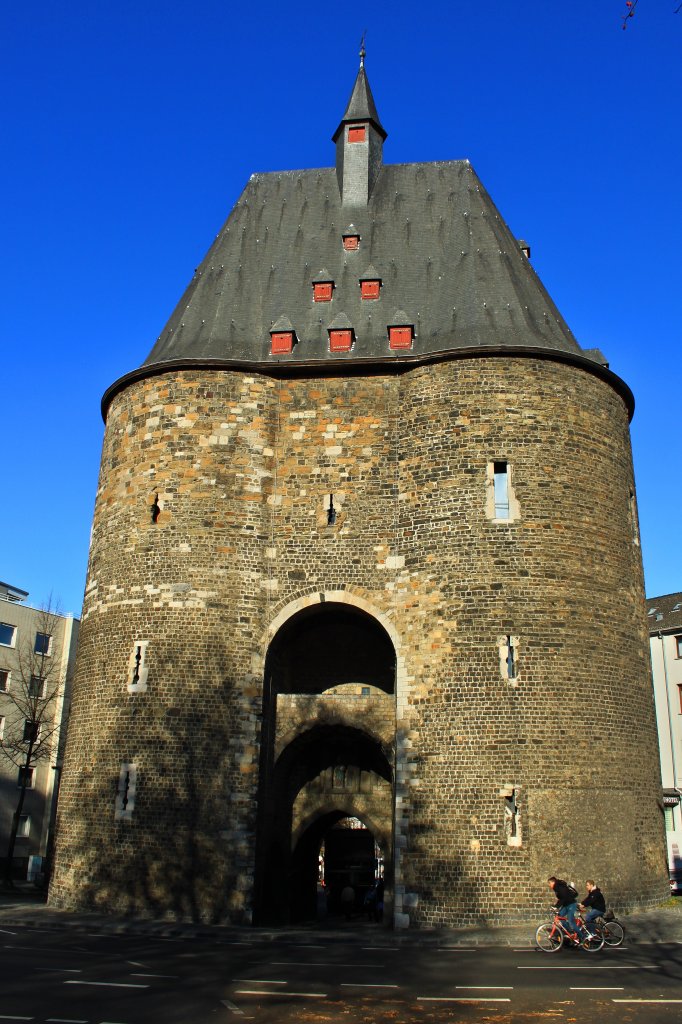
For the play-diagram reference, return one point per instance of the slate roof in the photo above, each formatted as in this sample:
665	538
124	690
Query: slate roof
665	613
361	105
431	233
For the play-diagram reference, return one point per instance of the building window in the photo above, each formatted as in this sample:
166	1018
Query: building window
364	691
28	774
357	132
679	694
669	818
43	644
282	342
322	291
125	794
24	829
137	668
400	337
501	485
678	646
2	726
8	634
36	687
370	289
340	340
31	731
351	242
4	680
508	647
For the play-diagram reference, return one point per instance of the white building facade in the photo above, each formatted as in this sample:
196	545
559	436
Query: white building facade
665	638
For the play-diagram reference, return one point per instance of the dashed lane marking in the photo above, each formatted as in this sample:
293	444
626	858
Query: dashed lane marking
232	1008
263	992
105	984
597	988
359	984
372	948
463	999
646	1000
330	963
10	1017
65	1020
5	931
61	970
258	981
596	967
139	974
487	988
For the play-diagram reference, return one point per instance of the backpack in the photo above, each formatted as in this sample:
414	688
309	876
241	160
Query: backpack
573	891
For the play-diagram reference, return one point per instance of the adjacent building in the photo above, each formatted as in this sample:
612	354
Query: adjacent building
665	639
364	549
37	653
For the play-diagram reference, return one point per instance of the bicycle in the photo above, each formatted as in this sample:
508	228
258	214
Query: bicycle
552	936
610	928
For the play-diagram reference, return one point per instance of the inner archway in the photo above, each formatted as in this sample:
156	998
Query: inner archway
327	754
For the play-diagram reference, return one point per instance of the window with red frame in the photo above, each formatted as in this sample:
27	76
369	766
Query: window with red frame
340	340
282	342
400	337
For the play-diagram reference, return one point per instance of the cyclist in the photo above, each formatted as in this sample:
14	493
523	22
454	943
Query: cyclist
566	900
594	903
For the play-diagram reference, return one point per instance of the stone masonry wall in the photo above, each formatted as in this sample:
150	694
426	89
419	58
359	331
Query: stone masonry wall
243	466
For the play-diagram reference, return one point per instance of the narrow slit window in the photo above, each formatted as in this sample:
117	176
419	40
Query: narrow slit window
678	646
501	486
137	667
125	792
511	659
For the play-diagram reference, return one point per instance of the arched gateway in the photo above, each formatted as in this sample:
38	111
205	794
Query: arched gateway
327	749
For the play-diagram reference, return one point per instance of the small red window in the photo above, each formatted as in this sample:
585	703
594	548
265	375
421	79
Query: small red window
370	289
340	340
357	133
351	242
322	291
282	342
400	337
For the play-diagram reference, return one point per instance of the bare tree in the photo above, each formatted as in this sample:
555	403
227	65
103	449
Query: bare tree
32	722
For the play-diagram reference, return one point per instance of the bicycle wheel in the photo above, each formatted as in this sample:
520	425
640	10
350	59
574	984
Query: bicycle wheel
613	933
549	938
593	943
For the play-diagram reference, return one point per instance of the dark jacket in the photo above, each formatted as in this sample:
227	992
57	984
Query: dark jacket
564	895
595	900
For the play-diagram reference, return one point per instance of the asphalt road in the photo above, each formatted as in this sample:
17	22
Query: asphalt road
64	978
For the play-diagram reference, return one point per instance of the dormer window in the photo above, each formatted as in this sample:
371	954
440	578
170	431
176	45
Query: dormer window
282	337
323	287
351	238
370	284
357	132
400	334
341	334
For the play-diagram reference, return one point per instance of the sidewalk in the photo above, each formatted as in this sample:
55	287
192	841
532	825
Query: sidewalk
25	907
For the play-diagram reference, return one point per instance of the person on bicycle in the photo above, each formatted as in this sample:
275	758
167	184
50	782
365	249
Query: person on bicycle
566	900
594	903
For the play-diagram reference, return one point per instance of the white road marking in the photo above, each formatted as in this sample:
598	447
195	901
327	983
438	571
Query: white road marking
302	945
597	967
359	984
232	1007
8	1017
330	963
65	1020
5	931
646	1000
138	974
135	963
487	987
263	992
258	981
597	988
105	984
463	999
62	970
379	947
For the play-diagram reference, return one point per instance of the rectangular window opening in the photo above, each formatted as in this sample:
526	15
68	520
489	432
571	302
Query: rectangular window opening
8	634
31	731
4	680
501	483
2	726
24	829
679	694
43	644
36	687
28	774
678	646
357	133
340	341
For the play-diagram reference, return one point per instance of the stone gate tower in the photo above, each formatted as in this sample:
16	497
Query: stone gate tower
364	545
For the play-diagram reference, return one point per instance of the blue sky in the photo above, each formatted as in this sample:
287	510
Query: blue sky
129	131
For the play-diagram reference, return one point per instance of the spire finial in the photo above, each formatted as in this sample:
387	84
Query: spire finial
362	49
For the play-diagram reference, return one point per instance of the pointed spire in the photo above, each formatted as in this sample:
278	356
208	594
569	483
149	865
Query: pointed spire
361	105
